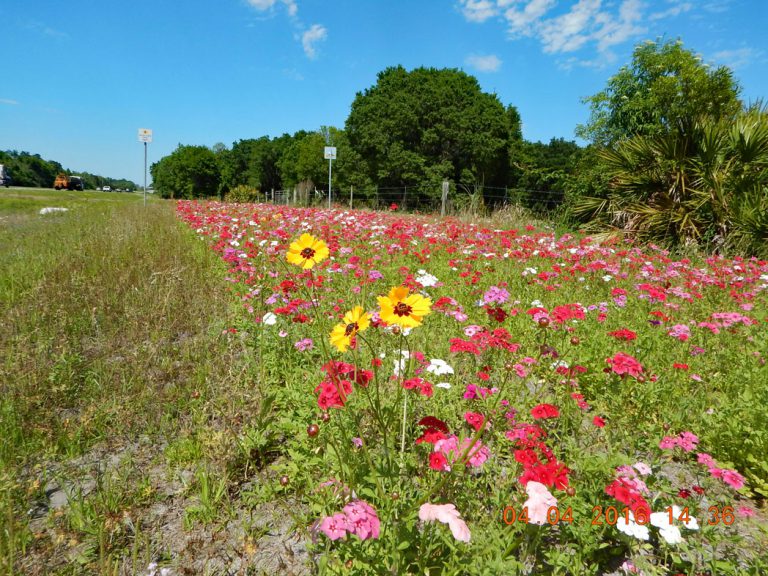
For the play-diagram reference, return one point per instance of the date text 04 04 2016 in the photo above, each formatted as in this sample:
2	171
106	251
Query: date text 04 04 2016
611	515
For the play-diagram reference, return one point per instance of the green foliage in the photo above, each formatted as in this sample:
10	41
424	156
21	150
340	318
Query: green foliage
430	124
31	170
189	172
243	194
665	83
703	182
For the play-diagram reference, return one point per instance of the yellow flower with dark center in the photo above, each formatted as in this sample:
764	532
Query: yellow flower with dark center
398	307
307	251
354	321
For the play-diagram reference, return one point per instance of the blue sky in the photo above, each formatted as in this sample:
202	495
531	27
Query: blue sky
80	77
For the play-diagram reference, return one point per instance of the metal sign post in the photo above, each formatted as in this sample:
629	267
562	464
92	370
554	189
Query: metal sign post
329	154
145	135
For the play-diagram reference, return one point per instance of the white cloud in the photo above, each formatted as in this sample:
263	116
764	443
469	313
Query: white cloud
292	7
570	31
478	10
566	27
677	9
523	21
9	101
310	37
264	5
738	58
490	63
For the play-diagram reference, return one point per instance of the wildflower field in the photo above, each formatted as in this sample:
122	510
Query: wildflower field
261	389
447	398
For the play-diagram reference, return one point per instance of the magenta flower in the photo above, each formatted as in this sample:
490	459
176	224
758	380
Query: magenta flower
495	295
362	519
335	526
733	479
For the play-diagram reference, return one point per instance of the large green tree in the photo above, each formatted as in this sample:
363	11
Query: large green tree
188	172
664	85
427	125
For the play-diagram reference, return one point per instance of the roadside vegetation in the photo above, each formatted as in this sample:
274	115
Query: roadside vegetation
172	399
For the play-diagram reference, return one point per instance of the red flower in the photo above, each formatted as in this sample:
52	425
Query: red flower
474	419
438	461
459	345
424	387
623	334
599	422
430	436
527	457
497	314
432	422
550	474
543	411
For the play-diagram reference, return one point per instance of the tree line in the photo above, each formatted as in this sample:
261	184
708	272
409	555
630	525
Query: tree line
673	155
33	171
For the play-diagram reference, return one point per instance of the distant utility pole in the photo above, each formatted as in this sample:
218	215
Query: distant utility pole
330	155
145	135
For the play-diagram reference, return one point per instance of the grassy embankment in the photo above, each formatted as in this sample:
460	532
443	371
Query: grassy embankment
112	317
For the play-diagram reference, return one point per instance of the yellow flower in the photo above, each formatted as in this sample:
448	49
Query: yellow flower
307	251
354	321
404	310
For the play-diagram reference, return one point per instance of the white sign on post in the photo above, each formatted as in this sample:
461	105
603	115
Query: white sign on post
330	153
145	135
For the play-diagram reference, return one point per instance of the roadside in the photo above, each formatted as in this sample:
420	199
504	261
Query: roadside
119	394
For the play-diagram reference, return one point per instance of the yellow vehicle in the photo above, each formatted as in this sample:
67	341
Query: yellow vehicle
69	182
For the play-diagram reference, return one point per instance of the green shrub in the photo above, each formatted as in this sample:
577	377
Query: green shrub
243	194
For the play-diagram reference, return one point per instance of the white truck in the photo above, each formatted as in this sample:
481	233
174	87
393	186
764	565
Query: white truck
5	177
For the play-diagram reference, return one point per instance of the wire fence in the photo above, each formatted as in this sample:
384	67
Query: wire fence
425	198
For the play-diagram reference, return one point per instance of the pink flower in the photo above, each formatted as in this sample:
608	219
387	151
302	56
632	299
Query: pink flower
642	467
335	526
625	364
479	453
447	514
305	344
668	443
706	459
539	502
680	331
733	479
688	441
362	519
745	511
451	449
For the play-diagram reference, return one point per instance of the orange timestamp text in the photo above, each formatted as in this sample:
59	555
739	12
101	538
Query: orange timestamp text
611	515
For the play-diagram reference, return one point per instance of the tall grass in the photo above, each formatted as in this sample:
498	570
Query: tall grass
112	317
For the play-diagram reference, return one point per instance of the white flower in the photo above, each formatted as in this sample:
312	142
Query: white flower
628	526
444	385
667	530
425	279
439	367
269	319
